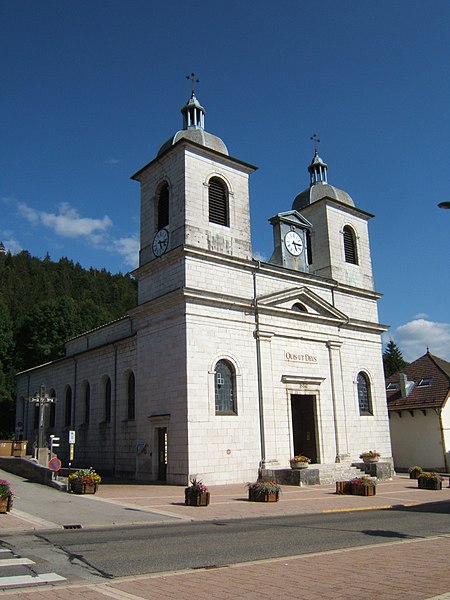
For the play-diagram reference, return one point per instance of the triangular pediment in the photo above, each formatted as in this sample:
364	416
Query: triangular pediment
303	301
293	218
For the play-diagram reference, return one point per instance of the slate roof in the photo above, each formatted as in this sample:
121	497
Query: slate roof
421	397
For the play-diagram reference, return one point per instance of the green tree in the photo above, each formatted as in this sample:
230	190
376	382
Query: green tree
393	360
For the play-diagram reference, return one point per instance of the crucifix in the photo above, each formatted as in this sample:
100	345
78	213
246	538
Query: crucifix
316	141
194	80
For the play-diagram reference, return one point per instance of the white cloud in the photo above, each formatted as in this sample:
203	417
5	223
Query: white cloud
12	245
129	249
111	161
413	338
67	222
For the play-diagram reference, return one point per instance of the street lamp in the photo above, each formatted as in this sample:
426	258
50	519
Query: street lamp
445	204
41	399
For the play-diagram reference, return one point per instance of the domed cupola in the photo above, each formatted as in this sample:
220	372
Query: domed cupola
194	126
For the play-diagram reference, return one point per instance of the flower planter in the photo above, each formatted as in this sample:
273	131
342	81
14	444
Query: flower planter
343	487
297	464
359	489
6	504
414	474
259	496
370	461
195	499
429	484
77	487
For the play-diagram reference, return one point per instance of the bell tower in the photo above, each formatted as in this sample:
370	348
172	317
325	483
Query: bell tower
193	195
339	235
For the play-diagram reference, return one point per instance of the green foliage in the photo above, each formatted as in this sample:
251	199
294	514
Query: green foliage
45	303
393	361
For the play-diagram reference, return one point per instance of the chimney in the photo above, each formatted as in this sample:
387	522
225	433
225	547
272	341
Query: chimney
403	385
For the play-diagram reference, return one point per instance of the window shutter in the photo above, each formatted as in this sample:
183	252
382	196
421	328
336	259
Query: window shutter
218	202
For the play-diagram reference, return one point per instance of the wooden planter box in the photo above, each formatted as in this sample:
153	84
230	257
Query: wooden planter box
83	488
358	489
429	484
6	504
343	487
257	496
192	499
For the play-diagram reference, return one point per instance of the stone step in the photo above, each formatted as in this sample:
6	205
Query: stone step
315	474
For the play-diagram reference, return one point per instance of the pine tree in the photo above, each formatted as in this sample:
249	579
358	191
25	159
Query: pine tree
393	360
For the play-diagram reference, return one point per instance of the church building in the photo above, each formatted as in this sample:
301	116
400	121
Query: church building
228	364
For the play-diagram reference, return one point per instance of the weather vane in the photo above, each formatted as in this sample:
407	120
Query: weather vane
316	141
194	80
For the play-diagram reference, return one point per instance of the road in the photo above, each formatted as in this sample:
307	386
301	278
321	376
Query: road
91	555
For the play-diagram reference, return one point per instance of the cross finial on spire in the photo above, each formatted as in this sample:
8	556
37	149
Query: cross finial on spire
194	80
316	141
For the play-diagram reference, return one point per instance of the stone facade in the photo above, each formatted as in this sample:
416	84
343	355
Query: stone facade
295	343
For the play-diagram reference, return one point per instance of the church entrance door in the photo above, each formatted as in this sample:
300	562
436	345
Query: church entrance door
304	425
162	453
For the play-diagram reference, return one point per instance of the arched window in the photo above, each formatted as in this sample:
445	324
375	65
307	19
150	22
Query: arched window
87	402
299	307
364	394
163	206
350	250
218	202
68	407
108	400
225	388
131	396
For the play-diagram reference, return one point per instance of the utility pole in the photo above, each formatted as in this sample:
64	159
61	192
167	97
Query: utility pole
41	399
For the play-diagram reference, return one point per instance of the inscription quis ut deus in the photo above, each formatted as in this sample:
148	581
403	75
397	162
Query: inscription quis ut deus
305	358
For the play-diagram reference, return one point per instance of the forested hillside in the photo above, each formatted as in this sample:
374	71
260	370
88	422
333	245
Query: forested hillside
44	303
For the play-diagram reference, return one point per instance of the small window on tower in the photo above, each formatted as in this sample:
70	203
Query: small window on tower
218	202
163	206
350	251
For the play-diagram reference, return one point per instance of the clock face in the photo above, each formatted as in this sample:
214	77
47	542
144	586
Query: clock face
160	242
294	243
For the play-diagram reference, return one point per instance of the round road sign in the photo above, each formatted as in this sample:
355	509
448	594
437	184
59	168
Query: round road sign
54	464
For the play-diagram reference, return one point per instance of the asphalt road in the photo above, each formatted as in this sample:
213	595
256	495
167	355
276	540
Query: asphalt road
86	555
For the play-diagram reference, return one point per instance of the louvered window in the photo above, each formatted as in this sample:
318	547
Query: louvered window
218	202
163	206
364	395
350	252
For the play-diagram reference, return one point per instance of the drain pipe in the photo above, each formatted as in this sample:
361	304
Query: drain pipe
259	372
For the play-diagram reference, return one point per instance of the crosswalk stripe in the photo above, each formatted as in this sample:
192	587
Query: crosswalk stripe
9	562
28	579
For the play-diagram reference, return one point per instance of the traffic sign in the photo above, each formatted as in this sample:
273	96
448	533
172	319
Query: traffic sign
71	437
54	464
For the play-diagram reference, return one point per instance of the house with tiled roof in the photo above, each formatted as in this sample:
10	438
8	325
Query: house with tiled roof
418	401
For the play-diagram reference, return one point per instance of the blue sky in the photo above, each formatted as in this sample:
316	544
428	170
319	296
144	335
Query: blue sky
91	89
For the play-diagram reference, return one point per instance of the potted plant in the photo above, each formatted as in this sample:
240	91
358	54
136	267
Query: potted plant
84	481
263	491
364	486
429	481
371	456
299	461
196	494
6	496
414	472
